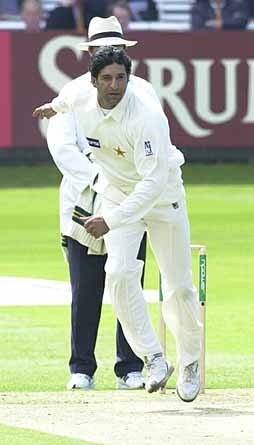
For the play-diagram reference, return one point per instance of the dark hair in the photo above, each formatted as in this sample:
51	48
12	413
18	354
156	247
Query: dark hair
107	55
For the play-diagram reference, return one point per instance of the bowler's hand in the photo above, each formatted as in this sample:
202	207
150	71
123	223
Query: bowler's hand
45	110
95	225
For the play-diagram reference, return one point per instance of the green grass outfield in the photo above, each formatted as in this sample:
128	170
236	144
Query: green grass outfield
34	341
22	436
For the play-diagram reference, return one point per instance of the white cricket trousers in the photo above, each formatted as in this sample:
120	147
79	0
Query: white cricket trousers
168	230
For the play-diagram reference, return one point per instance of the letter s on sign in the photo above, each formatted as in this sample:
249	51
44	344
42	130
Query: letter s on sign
49	71
52	76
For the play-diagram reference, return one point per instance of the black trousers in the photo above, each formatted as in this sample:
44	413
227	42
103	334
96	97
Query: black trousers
87	278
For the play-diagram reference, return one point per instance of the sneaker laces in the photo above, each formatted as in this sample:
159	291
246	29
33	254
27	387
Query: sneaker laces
152	363
190	372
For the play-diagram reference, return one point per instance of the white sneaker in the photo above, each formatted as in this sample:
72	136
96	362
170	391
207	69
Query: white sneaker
80	381
133	380
159	372
188	382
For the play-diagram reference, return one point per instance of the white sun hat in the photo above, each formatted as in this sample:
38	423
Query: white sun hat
105	32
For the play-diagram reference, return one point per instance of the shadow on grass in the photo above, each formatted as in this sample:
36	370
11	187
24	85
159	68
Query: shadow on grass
47	175
29	176
205	412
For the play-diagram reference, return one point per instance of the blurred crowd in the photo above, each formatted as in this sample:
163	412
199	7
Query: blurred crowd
37	15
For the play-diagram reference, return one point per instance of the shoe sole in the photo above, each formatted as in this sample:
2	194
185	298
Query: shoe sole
187	400
81	388
129	388
162	384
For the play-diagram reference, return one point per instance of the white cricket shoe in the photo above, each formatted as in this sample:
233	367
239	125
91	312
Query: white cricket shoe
188	382
133	380
80	381
158	371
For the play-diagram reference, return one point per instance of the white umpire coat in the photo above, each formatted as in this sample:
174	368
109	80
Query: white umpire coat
69	148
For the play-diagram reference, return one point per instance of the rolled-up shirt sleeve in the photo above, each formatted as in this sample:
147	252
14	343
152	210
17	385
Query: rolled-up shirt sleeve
154	156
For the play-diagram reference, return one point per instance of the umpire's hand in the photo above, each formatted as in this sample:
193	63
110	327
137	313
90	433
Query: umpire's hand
95	225
45	110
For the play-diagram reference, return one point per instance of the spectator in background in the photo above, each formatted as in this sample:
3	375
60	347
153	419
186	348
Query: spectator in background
143	10
31	14
220	14
121	10
76	14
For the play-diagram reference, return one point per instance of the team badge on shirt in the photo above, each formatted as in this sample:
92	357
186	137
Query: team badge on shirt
148	148
119	152
95	143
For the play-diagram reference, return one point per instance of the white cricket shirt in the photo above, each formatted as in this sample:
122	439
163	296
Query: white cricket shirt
68	146
133	147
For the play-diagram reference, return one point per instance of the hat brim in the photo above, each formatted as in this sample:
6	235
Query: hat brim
106	41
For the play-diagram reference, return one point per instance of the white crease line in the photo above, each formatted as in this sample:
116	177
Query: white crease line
34	292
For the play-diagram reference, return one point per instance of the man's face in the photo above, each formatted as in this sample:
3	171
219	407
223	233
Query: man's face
32	15
123	16
111	84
